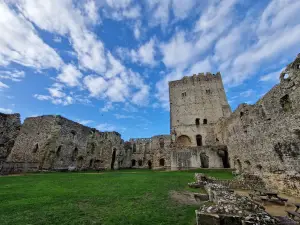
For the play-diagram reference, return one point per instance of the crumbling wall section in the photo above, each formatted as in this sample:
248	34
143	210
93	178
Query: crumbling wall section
184	158
57	143
264	138
10	125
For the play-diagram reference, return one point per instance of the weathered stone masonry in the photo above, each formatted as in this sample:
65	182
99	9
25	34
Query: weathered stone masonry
264	138
56	143
9	129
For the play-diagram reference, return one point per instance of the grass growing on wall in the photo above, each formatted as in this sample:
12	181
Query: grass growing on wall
138	197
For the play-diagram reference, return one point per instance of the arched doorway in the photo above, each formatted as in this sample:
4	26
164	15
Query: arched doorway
184	140
162	162
149	165
133	162
113	159
199	140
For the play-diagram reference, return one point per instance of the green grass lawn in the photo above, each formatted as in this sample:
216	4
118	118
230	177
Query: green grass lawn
138	197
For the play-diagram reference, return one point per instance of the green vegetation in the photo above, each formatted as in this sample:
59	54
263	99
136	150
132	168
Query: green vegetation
121	197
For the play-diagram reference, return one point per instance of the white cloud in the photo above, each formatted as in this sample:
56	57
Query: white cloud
2	85
145	54
182	9
141	97
137	30
6	111
115	66
91	10
85	122
247	93
117	90
122	9
96	85
107	107
105	127
273	76
70	75
121	116
63	18
57	96
20	43
178	51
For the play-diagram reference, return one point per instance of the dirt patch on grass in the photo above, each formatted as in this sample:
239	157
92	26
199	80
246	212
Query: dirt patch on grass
184	197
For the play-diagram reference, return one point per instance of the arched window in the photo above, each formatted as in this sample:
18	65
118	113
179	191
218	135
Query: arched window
161	162
184	140
205	121
199	140
197	122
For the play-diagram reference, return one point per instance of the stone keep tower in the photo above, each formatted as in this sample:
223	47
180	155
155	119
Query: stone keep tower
196	103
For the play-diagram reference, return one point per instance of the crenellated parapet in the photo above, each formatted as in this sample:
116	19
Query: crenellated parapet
197	78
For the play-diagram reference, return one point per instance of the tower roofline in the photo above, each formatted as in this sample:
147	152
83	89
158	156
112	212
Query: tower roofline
199	77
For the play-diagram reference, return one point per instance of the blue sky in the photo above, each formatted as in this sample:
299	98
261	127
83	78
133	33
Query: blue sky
107	63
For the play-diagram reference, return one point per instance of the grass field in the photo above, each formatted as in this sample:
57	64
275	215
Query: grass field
138	197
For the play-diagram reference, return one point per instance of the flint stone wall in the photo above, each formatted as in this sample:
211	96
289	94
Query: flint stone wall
197	157
264	138
57	143
10	125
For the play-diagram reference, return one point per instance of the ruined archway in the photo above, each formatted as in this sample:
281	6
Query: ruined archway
184	140
162	162
113	159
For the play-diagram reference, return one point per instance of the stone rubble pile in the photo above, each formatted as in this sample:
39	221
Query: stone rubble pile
230	208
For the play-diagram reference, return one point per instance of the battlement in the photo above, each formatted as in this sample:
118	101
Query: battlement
197	78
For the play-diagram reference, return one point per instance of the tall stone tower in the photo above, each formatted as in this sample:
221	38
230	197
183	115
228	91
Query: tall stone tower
196	103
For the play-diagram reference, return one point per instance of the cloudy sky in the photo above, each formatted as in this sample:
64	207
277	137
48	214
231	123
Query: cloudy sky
107	63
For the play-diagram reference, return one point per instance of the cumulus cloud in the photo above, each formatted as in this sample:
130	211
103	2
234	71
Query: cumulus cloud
96	85
70	75
105	127
49	16
7	111
145	54
20	43
2	85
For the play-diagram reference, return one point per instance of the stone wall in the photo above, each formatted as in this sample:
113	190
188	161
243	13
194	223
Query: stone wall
57	143
10	125
264	138
196	103
197	157
151	153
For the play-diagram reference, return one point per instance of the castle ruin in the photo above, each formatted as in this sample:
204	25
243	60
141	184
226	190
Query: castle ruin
261	139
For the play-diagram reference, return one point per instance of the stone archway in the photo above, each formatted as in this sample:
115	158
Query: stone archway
184	140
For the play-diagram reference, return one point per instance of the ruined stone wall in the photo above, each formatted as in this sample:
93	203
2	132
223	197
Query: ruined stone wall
161	148
10	125
141	154
265	138
151	153
197	157
56	143
196	103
